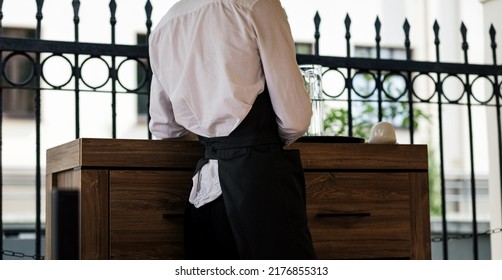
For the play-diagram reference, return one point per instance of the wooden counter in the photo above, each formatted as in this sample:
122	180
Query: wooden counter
363	201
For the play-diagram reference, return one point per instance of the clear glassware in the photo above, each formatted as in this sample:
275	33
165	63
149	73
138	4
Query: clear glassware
312	77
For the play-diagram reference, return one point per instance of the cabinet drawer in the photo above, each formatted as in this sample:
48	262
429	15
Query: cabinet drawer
146	214
358	215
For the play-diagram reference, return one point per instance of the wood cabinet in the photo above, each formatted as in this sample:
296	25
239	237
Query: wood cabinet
367	201
363	201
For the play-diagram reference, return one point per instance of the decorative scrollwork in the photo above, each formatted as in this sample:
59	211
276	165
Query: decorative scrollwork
453	88
85	75
143	68
46	63
30	67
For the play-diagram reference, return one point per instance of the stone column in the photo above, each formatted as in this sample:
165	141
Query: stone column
491	15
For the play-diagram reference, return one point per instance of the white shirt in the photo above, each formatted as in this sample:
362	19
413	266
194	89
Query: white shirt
210	60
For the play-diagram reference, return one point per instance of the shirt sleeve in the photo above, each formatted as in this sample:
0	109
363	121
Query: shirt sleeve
275	43
162	123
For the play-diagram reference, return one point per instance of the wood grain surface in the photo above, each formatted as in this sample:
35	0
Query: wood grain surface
364	201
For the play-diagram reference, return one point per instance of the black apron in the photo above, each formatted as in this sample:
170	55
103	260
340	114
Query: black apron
263	187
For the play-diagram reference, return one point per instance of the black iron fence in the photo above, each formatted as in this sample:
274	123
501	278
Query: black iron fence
371	89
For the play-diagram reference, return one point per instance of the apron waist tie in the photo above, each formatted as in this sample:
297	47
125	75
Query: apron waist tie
214	144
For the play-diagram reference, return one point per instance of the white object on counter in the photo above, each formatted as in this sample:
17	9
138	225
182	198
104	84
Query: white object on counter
382	133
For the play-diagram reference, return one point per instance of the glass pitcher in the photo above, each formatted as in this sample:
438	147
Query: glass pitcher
312	78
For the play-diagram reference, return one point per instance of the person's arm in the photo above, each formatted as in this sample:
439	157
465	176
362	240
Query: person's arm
162	123
284	81
190	136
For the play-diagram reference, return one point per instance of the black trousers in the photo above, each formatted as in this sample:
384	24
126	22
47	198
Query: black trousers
208	235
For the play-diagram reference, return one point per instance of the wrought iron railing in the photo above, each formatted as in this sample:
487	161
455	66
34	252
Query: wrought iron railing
33	50
380	71
410	71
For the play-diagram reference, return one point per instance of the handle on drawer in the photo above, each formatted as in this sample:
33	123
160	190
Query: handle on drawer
341	215
172	216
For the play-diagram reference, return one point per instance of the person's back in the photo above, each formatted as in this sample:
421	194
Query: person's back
213	57
226	71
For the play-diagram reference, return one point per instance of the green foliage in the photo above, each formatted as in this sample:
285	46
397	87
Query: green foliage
336	119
